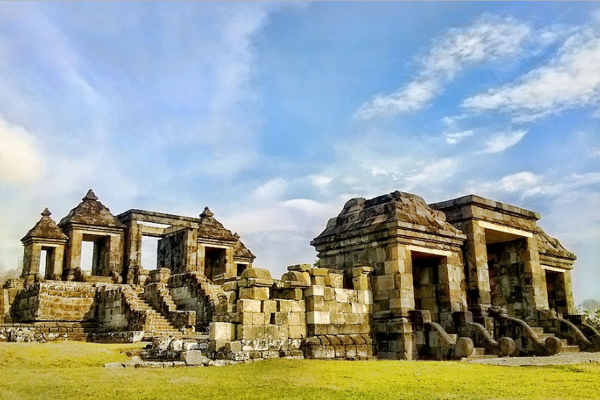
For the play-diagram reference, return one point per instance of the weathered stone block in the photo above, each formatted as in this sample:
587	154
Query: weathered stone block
284	305
317	317
269	306
256	293
291	294
317	280
299	306
255	277
334	280
249	305
300	267
293	279
315	303
315	290
297	332
230	286
342	295
221	331
338	318
383	283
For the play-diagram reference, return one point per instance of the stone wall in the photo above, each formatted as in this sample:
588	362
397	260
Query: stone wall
307	313
47	331
192	292
171	251
55	301
114	313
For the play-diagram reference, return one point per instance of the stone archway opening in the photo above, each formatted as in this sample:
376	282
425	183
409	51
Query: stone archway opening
215	262
557	294
426	282
506	254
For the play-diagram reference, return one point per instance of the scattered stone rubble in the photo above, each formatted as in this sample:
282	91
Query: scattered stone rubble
396	278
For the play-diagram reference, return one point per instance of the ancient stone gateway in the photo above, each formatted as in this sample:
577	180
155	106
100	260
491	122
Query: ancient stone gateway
396	278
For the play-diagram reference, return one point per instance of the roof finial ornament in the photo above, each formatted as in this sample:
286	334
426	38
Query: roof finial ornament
90	196
206	213
46	212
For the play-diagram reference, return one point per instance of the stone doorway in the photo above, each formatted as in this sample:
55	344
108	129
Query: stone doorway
426	282
506	273
215	262
100	255
557	295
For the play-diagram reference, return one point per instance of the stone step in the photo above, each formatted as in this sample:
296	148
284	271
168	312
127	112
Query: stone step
538	330
477	357
571	348
478	351
544	336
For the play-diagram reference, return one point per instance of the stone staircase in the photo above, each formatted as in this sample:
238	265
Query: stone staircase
156	324
209	293
566	347
478	352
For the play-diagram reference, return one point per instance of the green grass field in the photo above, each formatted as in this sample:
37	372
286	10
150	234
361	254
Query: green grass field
74	370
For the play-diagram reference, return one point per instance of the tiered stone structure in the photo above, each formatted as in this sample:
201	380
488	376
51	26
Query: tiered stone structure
396	278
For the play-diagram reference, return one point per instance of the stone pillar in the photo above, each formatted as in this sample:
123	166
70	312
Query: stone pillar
191	250
115	254
54	269
568	290
535	292
73	254
201	259
478	289
133	250
451	292
393	286
31	261
230	269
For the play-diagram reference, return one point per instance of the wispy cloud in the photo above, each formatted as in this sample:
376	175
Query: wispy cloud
528	184
488	38
433	172
455	137
570	80
503	140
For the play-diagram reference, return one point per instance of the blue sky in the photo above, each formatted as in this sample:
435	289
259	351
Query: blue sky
274	115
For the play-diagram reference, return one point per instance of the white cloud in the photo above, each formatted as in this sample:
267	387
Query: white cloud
451	121
488	38
455	137
570	80
434	172
272	189
320	181
21	160
528	184
504	140
412	97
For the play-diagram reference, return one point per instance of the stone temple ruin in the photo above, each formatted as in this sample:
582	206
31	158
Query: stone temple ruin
396	278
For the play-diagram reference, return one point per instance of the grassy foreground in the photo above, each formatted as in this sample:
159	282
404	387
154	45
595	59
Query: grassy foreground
73	370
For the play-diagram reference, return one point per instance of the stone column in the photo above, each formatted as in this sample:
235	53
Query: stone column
56	264
201	259
535	292
73	256
133	250
31	261
478	289
115	254
191	251
451	292
568	290
230	270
